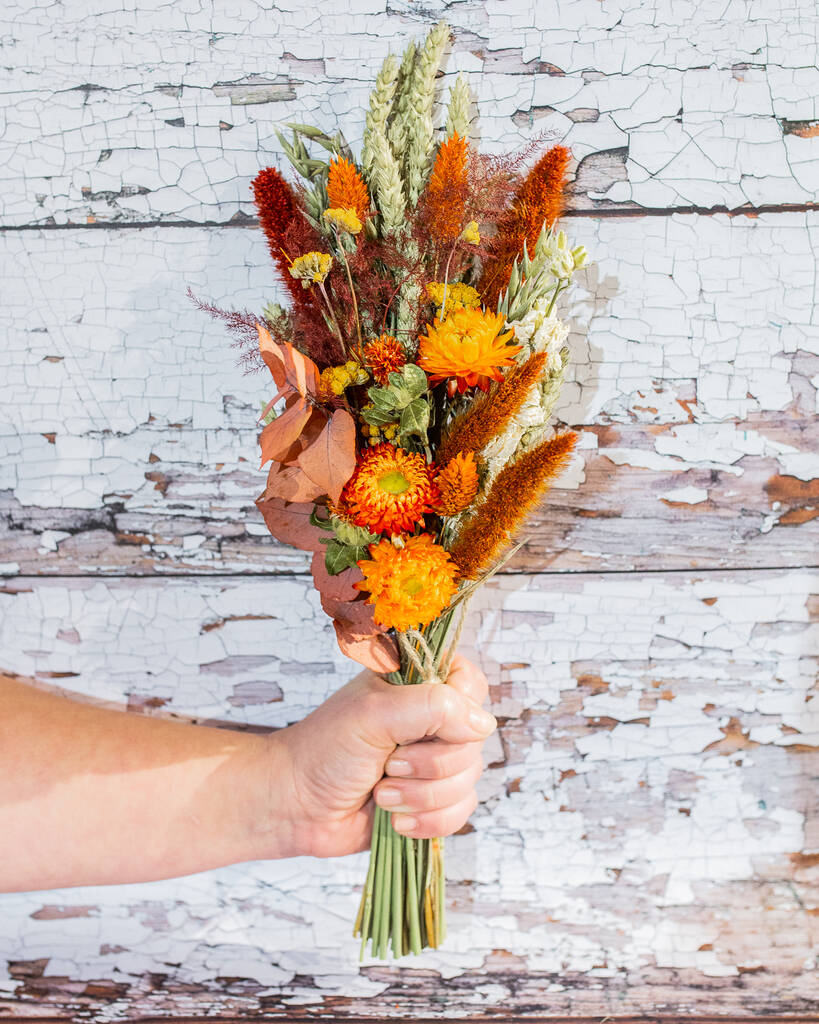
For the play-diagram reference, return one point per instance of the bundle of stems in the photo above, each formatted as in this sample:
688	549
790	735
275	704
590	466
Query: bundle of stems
403	903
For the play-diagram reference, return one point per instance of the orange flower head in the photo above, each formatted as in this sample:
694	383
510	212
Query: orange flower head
469	346
390	490
346	188
384	355
458	484
409	586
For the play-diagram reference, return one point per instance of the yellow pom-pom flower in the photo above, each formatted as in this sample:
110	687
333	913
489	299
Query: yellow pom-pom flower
390	490
458	296
409	586
468	346
343	219
471	234
311	268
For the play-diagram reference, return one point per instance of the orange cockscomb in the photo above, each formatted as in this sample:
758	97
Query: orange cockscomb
346	188
390	490
469	346
384	355
409	586
446	191
458	483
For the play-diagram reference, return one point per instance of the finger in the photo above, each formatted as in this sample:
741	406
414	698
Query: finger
467	678
441	823
434	759
393	715
419	795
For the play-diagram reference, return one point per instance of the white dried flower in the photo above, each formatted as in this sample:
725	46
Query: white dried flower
540	331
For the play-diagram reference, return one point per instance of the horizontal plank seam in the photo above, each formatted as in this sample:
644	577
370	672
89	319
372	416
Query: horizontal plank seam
165	576
545	1018
608	212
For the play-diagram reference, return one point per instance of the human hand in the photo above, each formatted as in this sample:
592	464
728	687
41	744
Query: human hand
415	749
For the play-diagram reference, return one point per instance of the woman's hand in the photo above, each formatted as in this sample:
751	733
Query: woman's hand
417	749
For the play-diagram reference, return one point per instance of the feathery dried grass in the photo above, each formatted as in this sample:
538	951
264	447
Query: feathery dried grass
515	493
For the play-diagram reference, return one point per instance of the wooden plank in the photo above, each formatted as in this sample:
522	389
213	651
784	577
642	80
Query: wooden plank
160	114
648	835
130	445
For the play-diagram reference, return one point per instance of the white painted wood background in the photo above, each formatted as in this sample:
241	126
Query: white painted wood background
648	840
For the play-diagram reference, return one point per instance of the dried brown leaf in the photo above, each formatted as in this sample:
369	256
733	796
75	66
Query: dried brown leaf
279	435
330	460
289	522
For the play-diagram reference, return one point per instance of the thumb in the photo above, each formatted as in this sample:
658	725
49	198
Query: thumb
403	714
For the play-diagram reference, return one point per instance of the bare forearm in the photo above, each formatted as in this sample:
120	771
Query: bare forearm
92	796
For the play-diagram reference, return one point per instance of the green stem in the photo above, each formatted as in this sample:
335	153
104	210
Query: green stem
378	860
330	310
560	288
397	895
352	292
384	929
367	898
412	897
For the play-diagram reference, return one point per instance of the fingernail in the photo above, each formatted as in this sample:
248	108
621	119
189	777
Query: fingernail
404	822
388	797
398	767
481	721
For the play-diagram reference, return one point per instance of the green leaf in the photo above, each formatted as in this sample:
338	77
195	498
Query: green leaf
378	417
354	536
339	557
305	129
415	419
411	377
316	520
382	398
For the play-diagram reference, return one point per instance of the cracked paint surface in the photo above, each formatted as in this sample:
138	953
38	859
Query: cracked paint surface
643	817
152	112
129	434
648	834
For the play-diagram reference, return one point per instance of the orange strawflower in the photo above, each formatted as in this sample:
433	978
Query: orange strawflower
384	355
390	490
514	494
458	483
409	586
468	346
538	200
446	191
346	188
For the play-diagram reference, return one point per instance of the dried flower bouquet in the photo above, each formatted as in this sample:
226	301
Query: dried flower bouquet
416	370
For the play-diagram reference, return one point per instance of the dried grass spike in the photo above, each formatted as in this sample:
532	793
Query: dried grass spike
488	417
515	493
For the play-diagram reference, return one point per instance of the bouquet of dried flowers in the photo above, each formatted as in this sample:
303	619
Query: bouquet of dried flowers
416	371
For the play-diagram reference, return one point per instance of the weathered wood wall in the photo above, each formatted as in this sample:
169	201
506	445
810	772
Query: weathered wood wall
648	841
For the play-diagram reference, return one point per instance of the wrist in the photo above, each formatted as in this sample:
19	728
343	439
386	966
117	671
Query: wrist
272	827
